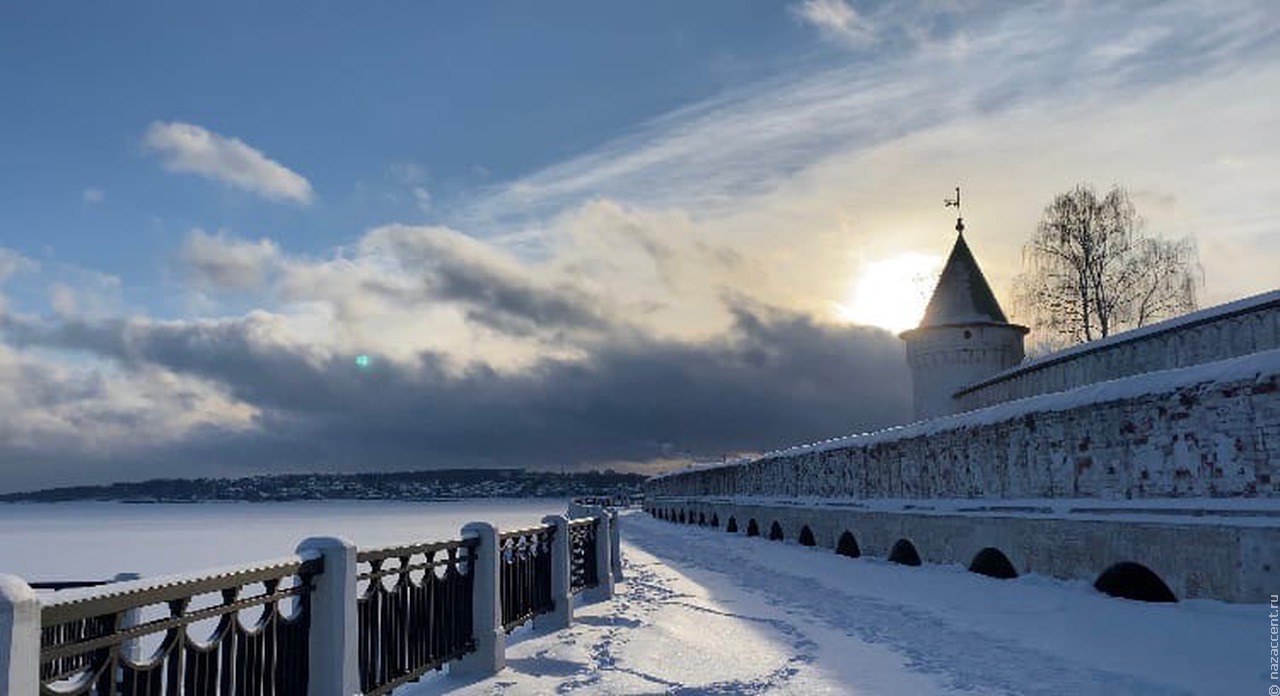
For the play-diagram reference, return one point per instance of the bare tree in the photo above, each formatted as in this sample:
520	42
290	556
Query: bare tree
1089	271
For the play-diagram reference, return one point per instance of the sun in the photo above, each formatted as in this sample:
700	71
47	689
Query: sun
891	293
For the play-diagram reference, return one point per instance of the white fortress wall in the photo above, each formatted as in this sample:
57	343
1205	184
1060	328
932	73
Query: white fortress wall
1208	430
1217	333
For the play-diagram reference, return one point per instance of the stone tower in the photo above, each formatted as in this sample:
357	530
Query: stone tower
963	338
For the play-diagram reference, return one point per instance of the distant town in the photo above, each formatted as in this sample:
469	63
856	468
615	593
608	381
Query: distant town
443	484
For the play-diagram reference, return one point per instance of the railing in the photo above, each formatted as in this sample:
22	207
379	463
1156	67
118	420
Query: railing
71	631
89	644
415	611
331	620
525	570
583	571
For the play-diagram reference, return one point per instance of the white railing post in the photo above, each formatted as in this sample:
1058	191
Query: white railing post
486	613
604	575
561	549
334	625
19	638
604	555
615	546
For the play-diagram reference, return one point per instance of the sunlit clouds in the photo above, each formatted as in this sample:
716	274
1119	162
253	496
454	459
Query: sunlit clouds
185	147
721	272
892	293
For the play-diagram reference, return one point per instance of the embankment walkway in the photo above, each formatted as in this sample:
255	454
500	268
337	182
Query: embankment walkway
705	612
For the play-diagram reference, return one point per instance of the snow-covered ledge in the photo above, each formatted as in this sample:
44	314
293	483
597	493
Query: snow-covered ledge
334	635
561	595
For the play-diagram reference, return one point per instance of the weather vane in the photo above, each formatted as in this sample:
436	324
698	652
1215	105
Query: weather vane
948	202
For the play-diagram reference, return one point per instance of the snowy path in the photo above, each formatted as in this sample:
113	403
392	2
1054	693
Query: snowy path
705	612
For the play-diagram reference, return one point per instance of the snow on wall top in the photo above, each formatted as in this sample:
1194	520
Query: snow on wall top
1204	316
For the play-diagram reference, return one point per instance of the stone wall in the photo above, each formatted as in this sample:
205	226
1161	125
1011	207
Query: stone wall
1230	330
1208	430
1196	556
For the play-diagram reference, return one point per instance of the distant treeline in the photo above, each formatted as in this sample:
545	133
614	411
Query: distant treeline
397	485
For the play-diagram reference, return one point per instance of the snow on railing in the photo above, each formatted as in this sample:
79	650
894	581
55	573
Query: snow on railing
330	619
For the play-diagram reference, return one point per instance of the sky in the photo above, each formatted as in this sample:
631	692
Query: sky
578	235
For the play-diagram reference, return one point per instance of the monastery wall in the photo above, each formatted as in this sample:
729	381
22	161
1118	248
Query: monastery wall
1237	328
1208	430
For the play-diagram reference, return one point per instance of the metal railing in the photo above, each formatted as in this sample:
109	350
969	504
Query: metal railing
285	627
524	559
414	612
583	567
68	632
89	643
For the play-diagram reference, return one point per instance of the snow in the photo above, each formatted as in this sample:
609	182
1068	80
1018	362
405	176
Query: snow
89	541
1222	311
705	612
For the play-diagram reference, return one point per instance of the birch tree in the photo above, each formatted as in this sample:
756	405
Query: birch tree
1090	271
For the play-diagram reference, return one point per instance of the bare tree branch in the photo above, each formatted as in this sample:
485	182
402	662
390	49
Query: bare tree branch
1089	271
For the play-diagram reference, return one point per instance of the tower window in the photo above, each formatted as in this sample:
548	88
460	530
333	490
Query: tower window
968	334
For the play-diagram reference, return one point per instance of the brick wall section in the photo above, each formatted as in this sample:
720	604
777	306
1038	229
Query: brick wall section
1204	437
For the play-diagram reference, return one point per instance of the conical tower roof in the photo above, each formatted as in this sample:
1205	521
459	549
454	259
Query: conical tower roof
962	295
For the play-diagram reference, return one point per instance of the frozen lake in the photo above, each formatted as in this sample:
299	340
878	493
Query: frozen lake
82	541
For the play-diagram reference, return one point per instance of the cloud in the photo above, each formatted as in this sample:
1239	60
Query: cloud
495	288
850	156
93	195
774	377
422	197
91	422
225	263
669	293
12	263
837	19
712	157
625	347
407	173
63	299
185	147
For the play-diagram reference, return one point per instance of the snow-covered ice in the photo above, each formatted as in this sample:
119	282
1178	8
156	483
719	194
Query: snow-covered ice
86	541
706	612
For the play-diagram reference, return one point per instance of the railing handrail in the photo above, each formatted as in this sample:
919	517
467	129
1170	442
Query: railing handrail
402	550
131	594
526	531
122	635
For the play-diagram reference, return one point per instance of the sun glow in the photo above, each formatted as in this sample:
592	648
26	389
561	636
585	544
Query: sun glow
891	293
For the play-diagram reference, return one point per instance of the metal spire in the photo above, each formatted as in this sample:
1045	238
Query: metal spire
948	202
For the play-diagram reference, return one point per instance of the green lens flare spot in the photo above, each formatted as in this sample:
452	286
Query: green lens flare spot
362	361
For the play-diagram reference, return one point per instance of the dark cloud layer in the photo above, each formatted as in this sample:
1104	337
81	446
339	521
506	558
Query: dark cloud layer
774	378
